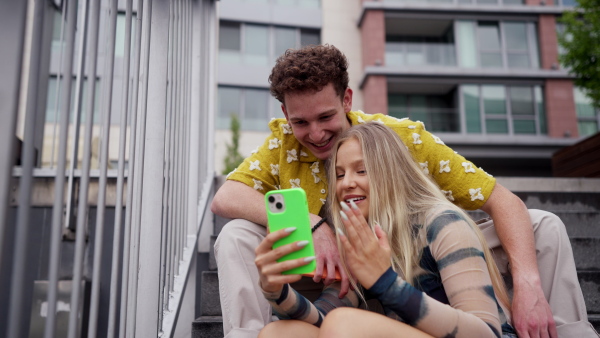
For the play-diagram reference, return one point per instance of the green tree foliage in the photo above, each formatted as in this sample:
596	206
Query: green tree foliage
581	41
233	158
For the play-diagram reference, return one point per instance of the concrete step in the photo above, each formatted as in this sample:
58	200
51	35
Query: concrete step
561	201
207	327
586	251
595	321
577	223
210	303
590	286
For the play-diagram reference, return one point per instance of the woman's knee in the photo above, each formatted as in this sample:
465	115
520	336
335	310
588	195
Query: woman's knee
339	321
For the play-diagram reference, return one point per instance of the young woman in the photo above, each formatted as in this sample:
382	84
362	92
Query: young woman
403	242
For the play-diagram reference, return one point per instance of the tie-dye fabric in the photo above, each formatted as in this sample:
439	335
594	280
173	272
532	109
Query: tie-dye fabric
453	297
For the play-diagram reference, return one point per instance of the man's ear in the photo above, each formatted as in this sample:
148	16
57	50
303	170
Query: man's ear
347	101
285	112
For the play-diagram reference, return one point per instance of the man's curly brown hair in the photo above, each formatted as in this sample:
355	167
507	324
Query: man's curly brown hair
310	68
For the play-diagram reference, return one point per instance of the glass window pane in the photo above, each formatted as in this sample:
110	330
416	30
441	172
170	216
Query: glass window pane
518	60
583	104
229	36
570	3
397	105
524	126
229	104
471	102
284	38
534	47
521	100
489	36
513	2
496	126
256	113
487	2
587	128
309	3
309	37
256	45
515	34
120	35
466	44
276	111
539	100
285	2
491	60
494	100
394	54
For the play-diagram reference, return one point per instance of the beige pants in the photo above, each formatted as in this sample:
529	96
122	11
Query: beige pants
246	312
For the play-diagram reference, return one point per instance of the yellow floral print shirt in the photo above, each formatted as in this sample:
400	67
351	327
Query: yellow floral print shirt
282	163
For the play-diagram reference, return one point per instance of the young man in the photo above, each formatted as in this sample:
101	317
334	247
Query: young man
312	85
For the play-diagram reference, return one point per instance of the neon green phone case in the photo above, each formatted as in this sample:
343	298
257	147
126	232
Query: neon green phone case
292	211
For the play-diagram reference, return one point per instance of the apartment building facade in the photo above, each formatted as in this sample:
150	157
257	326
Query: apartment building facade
483	75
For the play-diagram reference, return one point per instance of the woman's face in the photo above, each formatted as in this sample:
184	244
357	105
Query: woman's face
352	182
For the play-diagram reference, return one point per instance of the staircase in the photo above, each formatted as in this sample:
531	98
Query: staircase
576	201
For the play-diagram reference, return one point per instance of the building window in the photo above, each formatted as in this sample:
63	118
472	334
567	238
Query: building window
406	45
499	109
120	33
53	106
253	106
492	44
588	117
257	45
566	3
436	111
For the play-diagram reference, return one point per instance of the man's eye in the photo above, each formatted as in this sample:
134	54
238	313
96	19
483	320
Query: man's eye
299	123
326	117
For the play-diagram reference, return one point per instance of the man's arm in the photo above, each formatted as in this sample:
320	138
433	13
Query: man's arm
237	200
531	312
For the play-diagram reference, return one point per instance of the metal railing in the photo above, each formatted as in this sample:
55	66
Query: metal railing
126	268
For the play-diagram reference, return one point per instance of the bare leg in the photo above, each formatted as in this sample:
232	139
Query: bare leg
289	329
349	322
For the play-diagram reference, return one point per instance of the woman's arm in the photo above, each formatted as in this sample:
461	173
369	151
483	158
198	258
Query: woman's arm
289	304
473	310
458	253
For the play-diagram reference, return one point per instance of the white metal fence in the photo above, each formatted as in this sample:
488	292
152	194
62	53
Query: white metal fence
146	158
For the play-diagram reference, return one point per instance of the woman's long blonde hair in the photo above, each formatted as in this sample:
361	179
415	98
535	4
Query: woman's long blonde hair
401	198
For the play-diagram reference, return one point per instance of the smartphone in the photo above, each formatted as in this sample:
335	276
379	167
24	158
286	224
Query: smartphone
289	208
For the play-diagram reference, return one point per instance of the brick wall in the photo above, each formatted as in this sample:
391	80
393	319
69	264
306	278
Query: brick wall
375	95
560	109
373	38
548	41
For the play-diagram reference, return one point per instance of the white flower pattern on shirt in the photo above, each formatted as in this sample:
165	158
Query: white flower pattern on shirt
292	155
424	167
275	169
444	166
437	139
255	165
360	120
448	195
475	194
303	154
295	182
416	138
412	126
323	200
316	177
287	129
258	184
468	167
274	143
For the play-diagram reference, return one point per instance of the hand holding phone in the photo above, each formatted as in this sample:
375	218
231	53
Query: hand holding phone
289	208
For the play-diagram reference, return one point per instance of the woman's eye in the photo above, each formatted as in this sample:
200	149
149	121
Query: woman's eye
340	176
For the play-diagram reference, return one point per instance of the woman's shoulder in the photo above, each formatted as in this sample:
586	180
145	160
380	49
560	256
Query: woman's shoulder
440	218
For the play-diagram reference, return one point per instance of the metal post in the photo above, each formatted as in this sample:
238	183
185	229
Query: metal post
59	182
152	179
139	171
120	176
133	126
108	85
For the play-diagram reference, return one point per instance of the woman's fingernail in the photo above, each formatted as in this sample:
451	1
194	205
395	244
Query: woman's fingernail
308	259
354	206
339	231
344	206
302	243
290	229
343	214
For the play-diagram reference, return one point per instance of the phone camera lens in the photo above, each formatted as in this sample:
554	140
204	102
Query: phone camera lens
271	199
279	205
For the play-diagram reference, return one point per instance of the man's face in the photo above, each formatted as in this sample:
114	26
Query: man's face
318	118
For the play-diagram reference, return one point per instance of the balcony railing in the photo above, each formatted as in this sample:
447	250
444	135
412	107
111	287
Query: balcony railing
420	54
